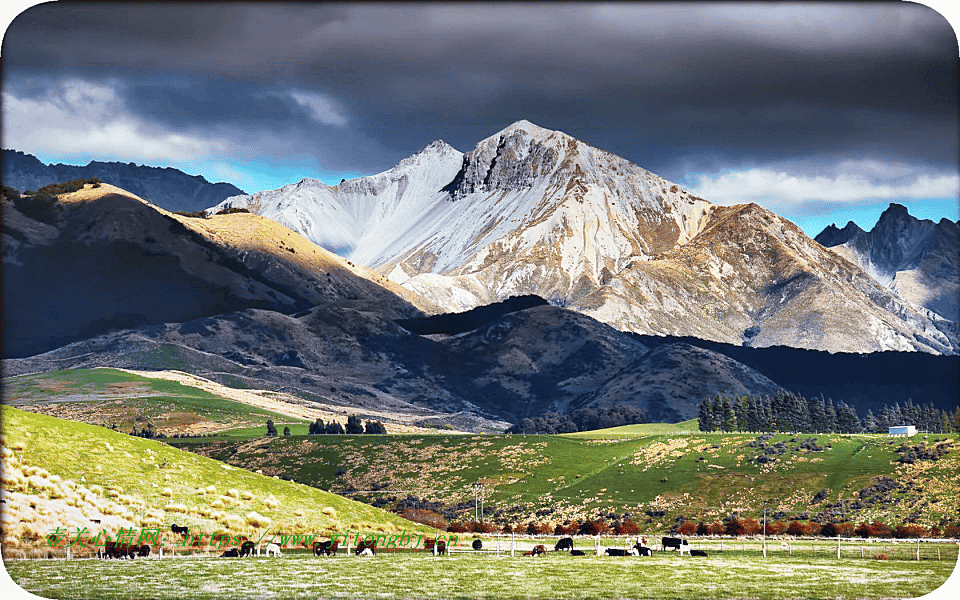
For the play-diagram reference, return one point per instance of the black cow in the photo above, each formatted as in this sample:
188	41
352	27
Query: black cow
231	553
564	544
114	550
698	553
577	553
246	549
180	530
441	548
365	545
325	548
477	545
617	552
672	542
643	550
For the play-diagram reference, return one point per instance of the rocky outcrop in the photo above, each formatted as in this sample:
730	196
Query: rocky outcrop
915	259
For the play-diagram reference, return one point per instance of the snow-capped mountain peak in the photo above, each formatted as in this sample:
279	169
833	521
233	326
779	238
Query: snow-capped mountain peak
533	211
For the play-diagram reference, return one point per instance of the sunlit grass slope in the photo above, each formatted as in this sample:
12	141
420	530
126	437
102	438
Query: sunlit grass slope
59	473
642	429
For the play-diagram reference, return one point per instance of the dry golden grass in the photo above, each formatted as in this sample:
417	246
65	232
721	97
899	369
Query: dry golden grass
89	193
247	231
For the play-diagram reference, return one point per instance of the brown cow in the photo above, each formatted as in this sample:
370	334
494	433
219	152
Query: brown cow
538	550
366	548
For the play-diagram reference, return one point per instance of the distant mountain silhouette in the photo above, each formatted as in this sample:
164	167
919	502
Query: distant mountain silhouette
167	187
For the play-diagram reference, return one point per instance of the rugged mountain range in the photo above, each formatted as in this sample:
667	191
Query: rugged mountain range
534	211
168	188
110	279
523	364
916	259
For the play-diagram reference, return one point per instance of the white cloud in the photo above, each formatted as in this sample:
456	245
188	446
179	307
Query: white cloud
784	193
321	108
86	119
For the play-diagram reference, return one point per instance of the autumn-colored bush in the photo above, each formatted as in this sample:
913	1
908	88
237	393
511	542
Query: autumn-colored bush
733	527
628	527
910	531
715	528
539	529
459	528
775	527
875	529
795	528
568	528
811	528
483	527
951	531
598	527
750	526
687	528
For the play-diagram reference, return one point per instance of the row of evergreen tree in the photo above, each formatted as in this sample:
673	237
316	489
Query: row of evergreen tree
787	411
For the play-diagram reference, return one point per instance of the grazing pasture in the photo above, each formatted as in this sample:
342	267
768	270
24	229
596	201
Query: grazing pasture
700	476
465	575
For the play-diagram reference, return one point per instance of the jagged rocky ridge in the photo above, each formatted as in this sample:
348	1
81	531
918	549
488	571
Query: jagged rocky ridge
522	364
168	188
918	260
534	211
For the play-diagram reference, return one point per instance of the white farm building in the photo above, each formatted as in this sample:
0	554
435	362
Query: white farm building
903	431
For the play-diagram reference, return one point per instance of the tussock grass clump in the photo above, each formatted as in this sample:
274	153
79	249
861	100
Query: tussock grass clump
257	520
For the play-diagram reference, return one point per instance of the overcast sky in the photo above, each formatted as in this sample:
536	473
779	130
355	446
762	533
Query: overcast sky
820	112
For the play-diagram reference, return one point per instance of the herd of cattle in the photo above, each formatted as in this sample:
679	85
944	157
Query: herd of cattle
436	547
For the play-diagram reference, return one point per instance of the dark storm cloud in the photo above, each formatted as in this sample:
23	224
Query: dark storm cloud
671	87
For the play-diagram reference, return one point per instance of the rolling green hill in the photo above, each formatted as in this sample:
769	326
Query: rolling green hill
556	478
59	473
638	430
113	396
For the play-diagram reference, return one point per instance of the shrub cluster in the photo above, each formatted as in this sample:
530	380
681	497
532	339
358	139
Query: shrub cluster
41	205
584	419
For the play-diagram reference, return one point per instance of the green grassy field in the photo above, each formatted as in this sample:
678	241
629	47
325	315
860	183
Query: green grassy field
632	431
699	476
108	396
558	575
59	473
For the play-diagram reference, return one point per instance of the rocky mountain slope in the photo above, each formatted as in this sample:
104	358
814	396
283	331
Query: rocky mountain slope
107	260
535	211
521	364
916	259
169	188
